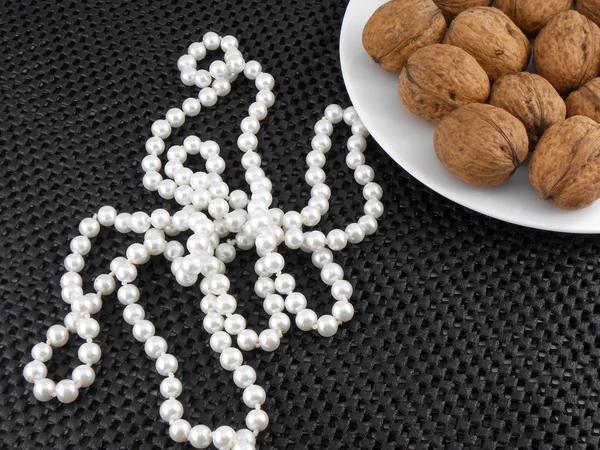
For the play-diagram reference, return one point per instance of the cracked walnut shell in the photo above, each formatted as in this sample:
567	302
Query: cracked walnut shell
400	27
490	37
565	167
440	78
481	144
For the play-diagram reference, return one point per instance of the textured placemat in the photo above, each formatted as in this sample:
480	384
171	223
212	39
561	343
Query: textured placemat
469	333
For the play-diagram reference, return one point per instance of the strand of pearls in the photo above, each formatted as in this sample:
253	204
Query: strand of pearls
247	222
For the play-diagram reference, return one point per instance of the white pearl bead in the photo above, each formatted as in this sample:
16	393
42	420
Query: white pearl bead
247	340
128	294
197	50
250	125
208	303
161	128
279	322
34	371
176	153
273	304
81	245
315	158
151	163
350	115
107	216
187	76
215	164
341	290
200	436
358	128
104	284
151	181
295	302
202	79
274	262
258	110
74	263
133	313
320	203
183	195
310	216
236	63
175	117
70	292
265	81
155	346
247	142
89	227
264	285
71	321
83	375
252	70
331	273
254	396
123	223
211	40
275	217
337	240
173	250
179	430
292	219
213	322
374	208
143	330
334	113
343	311
238	199
285	283
166	189
231	358
356	143
166	364
327	326
41	352
364	174
88	328
355	159
369	224
186	61
191	107
223	438
306	320
221	87
314	240
207	97
323	126
171	410
372	191
235	324
321	143
244	376
57	335
70	278
155	146
137	254
266	96
171	387
66	391
225	304
44	390
250	159
355	233
218	69
245	436
269	340
82	305
126	272
160	218
89	353
257	420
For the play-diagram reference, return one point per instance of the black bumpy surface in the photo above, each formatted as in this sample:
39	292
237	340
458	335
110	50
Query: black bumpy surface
469	333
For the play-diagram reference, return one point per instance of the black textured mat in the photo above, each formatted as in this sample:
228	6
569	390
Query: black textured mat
469	333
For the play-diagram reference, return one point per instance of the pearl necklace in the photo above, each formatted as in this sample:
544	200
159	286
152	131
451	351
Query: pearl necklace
253	222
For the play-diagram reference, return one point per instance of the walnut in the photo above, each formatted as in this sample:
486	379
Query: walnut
590	9
400	27
565	167
452	8
481	144
492	39
440	78
532	100
567	51
533	15
585	101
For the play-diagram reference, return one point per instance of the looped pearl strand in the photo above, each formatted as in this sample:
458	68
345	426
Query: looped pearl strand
221	221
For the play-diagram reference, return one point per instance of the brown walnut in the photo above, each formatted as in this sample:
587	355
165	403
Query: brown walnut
590	9
440	78
585	101
565	167
490	37
481	144
567	51
533	15
532	100
400	27
452	8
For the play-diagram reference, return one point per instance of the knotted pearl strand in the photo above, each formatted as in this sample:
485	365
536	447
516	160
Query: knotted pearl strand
252	222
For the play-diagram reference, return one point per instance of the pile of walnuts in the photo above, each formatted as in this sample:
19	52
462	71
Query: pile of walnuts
462	66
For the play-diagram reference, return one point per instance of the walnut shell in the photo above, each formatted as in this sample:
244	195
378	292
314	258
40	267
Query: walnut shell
532	100
565	167
585	101
533	15
481	144
440	78
590	9
489	36
400	27
452	8
567	51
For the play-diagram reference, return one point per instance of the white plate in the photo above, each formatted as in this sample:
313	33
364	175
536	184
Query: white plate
409	141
